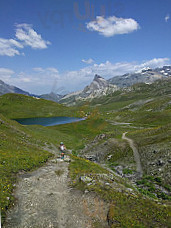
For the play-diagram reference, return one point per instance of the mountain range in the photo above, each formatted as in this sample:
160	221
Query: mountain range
146	75
98	87
5	88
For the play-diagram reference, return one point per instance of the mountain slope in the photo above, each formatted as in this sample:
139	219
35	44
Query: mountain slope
51	96
145	107
146	75
98	88
21	106
5	88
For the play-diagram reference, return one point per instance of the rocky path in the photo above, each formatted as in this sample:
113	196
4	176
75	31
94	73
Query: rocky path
45	200
136	154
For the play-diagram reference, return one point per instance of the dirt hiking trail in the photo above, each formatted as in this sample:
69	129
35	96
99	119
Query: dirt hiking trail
136	154
45	200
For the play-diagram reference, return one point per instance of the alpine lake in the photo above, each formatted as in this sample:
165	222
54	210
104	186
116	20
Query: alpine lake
48	121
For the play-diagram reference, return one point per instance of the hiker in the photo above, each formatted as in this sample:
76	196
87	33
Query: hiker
62	149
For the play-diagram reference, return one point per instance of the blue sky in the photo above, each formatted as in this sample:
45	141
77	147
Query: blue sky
59	45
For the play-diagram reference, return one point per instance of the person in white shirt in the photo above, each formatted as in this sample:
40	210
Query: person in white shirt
62	149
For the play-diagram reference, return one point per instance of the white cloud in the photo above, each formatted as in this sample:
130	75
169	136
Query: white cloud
44	80
26	37
112	26
156	62
88	61
9	47
167	17
38	69
29	37
6	74
52	70
76	80
47	72
39	81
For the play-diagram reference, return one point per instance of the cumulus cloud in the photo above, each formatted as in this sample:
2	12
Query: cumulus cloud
112	26
88	61
156	62
25	36
9	47
167	17
29	37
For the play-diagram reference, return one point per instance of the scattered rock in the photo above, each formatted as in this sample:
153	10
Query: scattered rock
160	162
54	161
109	157
90	157
86	191
152	163
119	169
67	159
50	194
85	179
130	190
99	137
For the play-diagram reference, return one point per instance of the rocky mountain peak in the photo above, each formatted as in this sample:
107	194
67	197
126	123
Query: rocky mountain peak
98	87
98	83
97	77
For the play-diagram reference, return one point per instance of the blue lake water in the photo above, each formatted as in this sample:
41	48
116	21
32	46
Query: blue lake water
48	121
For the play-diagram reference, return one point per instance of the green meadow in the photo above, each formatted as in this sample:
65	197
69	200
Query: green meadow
145	107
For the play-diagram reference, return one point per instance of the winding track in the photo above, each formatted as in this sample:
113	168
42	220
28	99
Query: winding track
136	154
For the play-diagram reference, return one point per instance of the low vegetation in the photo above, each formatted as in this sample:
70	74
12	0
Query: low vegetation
127	208
11	106
143	111
23	148
18	152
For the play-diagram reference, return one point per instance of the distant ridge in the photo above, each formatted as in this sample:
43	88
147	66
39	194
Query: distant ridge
51	96
99	86
5	88
146	75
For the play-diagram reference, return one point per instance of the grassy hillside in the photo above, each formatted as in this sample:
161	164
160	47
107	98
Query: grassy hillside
145	107
18	151
128	208
23	148
21	106
137	92
144	112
